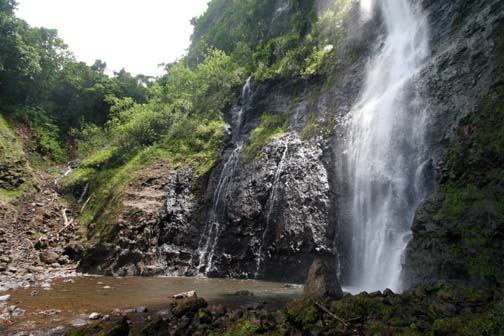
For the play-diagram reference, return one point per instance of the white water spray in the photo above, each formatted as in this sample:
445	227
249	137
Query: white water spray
386	149
366	7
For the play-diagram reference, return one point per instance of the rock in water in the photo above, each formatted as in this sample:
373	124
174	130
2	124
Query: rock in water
78	323
141	309
243	293
95	316
188	306
322	281
189	294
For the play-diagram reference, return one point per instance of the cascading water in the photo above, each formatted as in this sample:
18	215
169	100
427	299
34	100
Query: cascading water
210	235
65	174
271	205
386	152
245	101
84	193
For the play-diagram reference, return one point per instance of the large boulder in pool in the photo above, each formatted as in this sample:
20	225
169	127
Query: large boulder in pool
322	281
188	306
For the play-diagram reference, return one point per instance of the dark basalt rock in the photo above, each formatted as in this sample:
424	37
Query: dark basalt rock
457	230
243	293
309	214
188	306
286	222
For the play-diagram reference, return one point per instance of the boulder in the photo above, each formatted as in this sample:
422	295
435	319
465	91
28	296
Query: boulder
189	294
322	281
188	306
95	316
141	309
49	257
243	293
78	323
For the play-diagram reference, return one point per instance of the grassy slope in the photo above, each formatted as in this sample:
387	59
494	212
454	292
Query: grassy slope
14	174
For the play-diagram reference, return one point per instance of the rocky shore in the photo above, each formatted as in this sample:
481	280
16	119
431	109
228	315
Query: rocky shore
440	309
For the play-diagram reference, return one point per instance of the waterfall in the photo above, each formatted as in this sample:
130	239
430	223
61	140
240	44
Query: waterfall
84	192
210	235
65	174
237	118
386	150
271	205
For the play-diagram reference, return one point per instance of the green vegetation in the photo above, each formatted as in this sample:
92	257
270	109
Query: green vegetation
294	41
438	309
302	314
272	125
44	87
243	327
471	184
458	198
10	148
101	213
108	174
14	172
182	123
473	193
239	27
120	124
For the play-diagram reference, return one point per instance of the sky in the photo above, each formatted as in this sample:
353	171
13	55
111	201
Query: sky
131	34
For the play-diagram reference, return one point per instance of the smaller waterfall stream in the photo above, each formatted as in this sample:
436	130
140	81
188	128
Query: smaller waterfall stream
237	119
65	174
84	193
210	236
271	206
216	217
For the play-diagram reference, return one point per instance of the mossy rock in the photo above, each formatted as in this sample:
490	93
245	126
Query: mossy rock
302	313
243	327
458	232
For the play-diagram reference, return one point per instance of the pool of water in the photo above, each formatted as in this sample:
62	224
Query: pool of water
69	299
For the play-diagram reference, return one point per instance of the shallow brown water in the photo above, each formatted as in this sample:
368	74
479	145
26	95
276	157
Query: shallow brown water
67	301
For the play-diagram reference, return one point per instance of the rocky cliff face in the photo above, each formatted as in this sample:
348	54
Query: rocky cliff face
270	215
286	202
155	233
277	215
457	230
